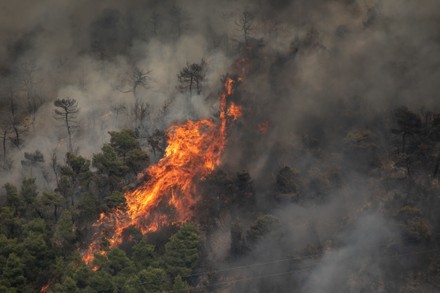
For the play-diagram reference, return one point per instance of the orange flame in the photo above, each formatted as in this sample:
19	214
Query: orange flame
194	150
234	111
44	288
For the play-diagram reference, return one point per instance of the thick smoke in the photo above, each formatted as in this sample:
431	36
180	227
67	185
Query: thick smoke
345	65
88	52
323	70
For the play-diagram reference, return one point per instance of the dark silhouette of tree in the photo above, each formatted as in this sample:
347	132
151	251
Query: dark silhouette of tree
285	180
244	195
408	123
118	109
4	137
67	110
32	160
245	25
409	126
238	241
139	112
11	129
216	191
136	78
286	185
262	226
191	77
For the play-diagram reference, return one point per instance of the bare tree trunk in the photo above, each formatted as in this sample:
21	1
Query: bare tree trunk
69	134
17	136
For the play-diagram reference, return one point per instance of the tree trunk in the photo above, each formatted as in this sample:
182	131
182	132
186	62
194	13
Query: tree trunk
55	212
68	131
191	85
17	136
54	168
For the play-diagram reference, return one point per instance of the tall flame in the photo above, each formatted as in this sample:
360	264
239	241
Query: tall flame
194	150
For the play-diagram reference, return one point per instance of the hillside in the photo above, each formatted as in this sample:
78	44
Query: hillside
220	146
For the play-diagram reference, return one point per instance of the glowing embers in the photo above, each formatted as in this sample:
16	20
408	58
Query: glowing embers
234	111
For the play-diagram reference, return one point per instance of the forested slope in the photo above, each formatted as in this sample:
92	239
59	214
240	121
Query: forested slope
306	136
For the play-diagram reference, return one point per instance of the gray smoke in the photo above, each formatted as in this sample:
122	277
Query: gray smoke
325	68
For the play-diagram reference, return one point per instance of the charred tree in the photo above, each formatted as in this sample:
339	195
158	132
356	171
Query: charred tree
245	25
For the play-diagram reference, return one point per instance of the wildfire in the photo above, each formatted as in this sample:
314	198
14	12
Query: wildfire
234	111
194	150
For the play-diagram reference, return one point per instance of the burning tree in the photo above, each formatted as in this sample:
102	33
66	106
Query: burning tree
194	150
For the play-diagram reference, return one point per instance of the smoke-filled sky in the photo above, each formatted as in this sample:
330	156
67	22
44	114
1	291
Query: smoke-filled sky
322	69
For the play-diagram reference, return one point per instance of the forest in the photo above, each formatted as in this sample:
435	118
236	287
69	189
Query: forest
220	146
